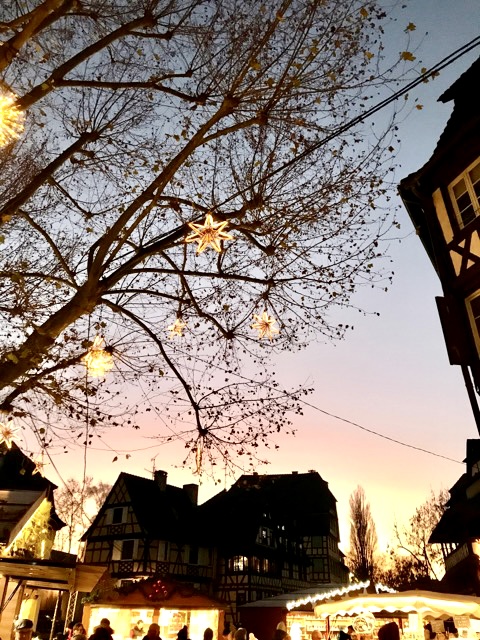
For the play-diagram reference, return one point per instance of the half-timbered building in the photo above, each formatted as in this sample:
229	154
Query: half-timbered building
36	582
264	536
274	533
458	530
148	528
443	201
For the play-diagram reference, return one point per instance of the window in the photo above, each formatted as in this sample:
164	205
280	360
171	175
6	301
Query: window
465	195
162	550
238	563
320	568
473	309
117	515
128	547
264	536
255	564
193	555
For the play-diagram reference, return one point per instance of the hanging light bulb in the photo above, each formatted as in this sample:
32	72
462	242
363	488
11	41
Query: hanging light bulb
98	361
11	118
8	432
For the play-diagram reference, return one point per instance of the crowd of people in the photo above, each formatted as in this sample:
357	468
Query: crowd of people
24	631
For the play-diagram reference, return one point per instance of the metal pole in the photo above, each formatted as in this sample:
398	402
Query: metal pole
55	615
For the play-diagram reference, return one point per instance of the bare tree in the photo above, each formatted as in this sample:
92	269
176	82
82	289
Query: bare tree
363	537
77	503
425	560
141	117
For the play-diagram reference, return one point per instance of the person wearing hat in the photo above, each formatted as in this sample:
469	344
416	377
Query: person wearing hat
23	629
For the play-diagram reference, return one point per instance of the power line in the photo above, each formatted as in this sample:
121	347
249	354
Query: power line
380	435
422	78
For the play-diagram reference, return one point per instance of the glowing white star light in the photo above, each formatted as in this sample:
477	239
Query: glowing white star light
8	432
208	234
39	466
264	325
11	118
176	329
98	361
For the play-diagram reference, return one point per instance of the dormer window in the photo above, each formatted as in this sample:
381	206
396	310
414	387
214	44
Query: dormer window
465	194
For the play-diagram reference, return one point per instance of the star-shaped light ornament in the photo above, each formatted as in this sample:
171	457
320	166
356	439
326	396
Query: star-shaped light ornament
98	361
264	325
208	234
8	431
11	118
39	466
176	329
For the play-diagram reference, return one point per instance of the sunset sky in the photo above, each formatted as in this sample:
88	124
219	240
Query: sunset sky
390	375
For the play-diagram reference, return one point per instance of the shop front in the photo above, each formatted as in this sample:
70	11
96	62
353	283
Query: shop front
170	608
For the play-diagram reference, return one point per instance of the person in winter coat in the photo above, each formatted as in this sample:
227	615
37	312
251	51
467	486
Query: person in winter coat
101	633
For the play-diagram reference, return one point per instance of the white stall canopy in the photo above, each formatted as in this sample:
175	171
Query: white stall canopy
427	603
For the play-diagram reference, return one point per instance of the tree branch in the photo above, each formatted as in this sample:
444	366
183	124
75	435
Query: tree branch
168	360
33	19
153	85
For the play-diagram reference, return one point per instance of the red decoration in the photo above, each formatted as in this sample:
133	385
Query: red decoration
155	590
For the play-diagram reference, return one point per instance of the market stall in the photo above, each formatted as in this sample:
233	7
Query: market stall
419	615
169	605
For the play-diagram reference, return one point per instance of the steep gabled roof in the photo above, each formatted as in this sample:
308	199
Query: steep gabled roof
168	511
465	114
18	471
21	487
301	501
161	513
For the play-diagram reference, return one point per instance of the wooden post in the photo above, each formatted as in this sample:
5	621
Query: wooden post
471	395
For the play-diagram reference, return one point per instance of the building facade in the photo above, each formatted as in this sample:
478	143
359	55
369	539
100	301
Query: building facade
264	536
36	582
443	201
458	530
147	528
282	536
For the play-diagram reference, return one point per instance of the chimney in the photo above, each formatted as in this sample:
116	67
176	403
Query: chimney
192	492
160	477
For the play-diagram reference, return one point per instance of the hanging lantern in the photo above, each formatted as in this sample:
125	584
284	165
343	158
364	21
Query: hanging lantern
98	361
264	325
208	234
11	118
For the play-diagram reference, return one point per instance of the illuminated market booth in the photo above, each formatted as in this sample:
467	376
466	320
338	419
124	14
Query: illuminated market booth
419	615
168	604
